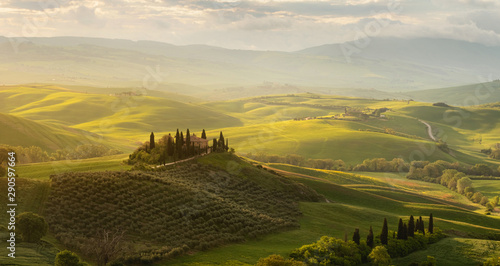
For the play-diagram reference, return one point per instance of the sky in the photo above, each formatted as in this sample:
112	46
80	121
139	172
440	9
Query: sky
254	24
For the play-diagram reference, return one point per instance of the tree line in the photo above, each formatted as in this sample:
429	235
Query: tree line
368	165
378	250
454	176
35	154
173	148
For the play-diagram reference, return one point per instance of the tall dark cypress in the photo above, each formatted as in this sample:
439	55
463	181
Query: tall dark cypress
214	145
369	238
221	143
177	137
188	143
182	139
405	231
170	146
227	144
384	236
356	237
411	227
422	226
152	141
203	134
400	229
178	144
431	224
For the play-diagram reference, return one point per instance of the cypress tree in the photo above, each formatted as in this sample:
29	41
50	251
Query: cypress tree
182	139
384	236
369	238
221	142
177	136
170	146
214	145
152	141
405	231
203	134
188	143
431	224
356	237
411	227
422	226
400	229
227	144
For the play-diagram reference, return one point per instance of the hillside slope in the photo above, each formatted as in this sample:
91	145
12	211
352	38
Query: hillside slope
18	131
118	116
217	201
321	127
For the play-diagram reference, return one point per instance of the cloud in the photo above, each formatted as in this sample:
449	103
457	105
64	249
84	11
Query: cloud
256	24
33	5
87	16
252	23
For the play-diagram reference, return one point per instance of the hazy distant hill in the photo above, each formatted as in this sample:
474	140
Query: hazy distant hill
385	64
473	94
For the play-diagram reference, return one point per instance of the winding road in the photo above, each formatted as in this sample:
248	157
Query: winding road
429	129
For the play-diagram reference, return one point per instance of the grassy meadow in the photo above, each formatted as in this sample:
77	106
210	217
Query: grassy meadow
310	125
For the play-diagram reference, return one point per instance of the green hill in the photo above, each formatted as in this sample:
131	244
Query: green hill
121	117
192	207
322	131
18	131
209	203
361	204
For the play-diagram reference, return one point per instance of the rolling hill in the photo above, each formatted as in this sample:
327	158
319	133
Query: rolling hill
18	131
120	117
233	194
323	132
307	124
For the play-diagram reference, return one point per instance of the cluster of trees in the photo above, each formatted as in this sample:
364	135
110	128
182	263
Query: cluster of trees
368	165
298	160
378	250
169	148
35	154
410	237
454	176
495	154
459	182
382	165
492	153
427	171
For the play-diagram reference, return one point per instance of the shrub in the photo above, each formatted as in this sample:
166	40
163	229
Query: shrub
67	258
329	251
32	227
278	260
379	256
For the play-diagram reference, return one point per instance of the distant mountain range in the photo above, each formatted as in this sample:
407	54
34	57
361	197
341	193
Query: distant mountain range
387	64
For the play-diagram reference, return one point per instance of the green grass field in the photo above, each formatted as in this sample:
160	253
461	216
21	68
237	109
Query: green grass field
53	117
264	124
42	171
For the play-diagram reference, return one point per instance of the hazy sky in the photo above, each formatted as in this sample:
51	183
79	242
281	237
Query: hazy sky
263	25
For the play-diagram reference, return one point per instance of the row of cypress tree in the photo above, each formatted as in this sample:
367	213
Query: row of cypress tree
404	230
179	147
